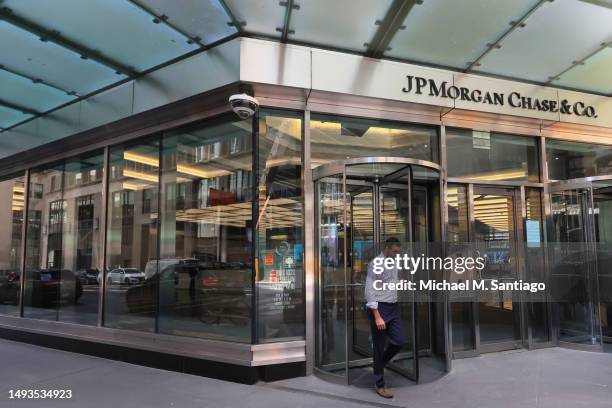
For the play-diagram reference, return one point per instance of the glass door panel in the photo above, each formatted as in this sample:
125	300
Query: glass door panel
572	265
495	238
602	203
363	243
457	235
333	302
395	201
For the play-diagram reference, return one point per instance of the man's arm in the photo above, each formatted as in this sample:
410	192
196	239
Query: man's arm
371	301
380	323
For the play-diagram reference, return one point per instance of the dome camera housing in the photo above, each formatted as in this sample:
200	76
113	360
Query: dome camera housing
243	105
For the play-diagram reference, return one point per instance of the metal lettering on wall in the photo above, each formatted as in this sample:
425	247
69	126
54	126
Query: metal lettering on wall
430	87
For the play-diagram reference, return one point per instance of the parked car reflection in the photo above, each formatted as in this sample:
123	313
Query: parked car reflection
88	276
209	291
9	287
126	276
53	287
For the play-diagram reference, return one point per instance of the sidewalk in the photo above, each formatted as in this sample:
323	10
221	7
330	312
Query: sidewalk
543	378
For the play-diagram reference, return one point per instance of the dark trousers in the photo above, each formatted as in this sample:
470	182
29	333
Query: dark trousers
394	333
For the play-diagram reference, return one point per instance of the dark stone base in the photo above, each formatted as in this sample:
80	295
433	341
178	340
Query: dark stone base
164	361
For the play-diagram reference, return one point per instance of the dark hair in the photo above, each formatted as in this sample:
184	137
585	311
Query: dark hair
389	242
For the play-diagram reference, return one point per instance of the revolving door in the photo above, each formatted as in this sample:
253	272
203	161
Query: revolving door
580	254
360	203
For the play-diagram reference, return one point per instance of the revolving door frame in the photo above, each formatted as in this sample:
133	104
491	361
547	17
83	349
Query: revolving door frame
584	183
337	169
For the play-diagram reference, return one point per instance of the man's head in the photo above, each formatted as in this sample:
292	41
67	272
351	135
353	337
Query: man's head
392	247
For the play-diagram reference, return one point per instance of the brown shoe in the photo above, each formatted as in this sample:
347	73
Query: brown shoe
384	391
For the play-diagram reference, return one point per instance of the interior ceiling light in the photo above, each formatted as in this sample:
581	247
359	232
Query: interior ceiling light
141	158
140	175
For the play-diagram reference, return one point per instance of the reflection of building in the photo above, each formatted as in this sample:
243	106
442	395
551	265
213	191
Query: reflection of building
64	220
246	241
11	212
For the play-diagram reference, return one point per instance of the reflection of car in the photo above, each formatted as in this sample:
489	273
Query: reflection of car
207	288
52	287
9	287
173	274
88	276
127	276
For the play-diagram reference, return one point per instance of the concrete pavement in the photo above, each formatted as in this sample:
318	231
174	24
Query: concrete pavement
542	378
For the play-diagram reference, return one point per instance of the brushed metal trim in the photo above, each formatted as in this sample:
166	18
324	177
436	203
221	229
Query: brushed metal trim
24	236
243	354
309	245
332	168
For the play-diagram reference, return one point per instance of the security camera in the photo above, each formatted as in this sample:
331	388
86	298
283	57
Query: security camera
244	105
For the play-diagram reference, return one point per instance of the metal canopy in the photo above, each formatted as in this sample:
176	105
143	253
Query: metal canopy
56	52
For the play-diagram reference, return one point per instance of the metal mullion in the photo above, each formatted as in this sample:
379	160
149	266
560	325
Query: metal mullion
164	19
448	338
254	226
546	223
233	20
160	169
19	108
395	175
346	340
24	243
37	80
415	324
286	29
376	211
521	240
61	227
494	183
388	27
310	206
514	26
103	243
475	302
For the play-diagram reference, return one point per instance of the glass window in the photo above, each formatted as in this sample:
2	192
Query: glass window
81	239
62	254
131	243
569	160
43	275
205	264
11	212
338	138
279	232
491	156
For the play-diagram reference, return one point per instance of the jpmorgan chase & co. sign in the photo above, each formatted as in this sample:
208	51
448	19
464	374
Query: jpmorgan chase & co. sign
442	89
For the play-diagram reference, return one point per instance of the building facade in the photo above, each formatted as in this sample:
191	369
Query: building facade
149	223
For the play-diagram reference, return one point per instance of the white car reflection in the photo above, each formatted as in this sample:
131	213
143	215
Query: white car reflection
126	276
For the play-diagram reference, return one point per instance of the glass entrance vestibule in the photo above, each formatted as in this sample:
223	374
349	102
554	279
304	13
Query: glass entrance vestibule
361	203
580	254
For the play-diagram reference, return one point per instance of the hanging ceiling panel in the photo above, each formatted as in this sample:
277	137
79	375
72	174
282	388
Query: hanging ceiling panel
116	28
259	16
333	27
51	62
202	18
25	93
557	34
129	37
595	75
9	117
454	33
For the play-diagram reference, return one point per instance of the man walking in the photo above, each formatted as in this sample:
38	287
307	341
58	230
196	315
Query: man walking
384	312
